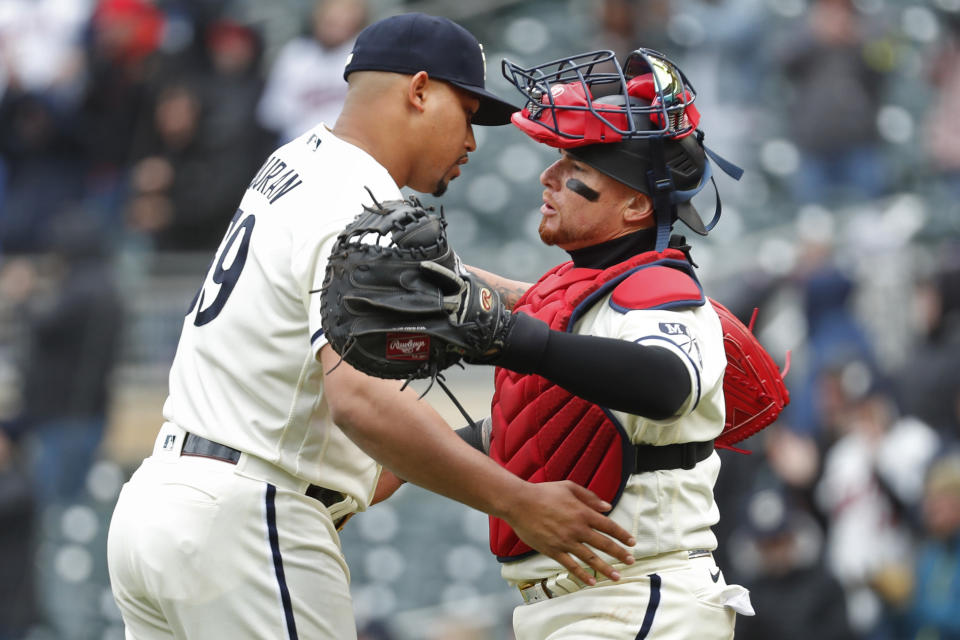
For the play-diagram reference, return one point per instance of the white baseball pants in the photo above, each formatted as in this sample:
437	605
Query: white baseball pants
670	597
199	550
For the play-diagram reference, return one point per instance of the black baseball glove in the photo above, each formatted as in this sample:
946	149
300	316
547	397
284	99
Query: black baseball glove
397	303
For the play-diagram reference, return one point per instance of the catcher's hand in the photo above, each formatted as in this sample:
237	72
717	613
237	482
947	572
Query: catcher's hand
396	301
475	310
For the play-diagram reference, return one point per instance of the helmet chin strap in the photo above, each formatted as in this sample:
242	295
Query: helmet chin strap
665	197
725	165
661	189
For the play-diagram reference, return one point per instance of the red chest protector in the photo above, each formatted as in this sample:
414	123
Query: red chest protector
542	432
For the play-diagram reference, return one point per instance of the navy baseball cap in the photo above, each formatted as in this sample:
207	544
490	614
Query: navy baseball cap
414	42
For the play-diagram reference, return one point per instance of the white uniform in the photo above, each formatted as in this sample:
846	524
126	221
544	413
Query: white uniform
304	87
669	512
199	547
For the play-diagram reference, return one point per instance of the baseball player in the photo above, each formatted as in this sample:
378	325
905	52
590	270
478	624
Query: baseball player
229	528
612	371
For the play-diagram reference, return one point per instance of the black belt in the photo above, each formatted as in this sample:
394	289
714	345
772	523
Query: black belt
685	455
194	445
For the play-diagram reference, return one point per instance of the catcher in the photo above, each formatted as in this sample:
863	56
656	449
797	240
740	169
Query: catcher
612	370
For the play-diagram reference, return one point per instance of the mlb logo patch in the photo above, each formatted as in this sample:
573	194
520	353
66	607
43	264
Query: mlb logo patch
169	441
680	336
673	329
408	346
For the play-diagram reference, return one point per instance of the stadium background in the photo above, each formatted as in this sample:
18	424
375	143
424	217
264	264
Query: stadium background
841	273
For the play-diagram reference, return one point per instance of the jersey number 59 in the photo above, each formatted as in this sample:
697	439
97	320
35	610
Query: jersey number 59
225	277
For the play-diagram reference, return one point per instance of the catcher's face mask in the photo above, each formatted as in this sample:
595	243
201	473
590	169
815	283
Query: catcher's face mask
589	99
633	123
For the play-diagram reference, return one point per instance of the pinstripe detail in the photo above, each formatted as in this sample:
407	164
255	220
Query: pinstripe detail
651	607
278	562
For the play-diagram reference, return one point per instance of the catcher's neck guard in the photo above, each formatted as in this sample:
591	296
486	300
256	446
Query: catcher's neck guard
636	123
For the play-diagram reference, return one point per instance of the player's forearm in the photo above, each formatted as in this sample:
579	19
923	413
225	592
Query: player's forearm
419	447
510	290
642	380
408	437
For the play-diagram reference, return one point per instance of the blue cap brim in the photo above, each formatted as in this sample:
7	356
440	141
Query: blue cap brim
493	111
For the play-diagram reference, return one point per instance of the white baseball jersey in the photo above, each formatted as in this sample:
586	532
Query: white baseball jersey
246	372
674	591
674	509
203	548
304	86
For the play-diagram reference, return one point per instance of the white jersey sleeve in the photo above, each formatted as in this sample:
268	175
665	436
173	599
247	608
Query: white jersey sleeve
695	336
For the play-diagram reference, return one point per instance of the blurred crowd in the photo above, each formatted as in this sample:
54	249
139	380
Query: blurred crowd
150	118
135	125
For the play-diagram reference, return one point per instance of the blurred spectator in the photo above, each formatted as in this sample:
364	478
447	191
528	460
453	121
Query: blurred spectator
928	381
869	491
44	170
170	168
230	88
202	146
835	90
74	330
793	594
305	85
40	48
727	35
942	135
835	338
933	608
234	144
782	460
124	38
625	25
184	190
795	461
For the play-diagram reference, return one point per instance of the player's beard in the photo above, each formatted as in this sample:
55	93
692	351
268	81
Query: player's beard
444	182
553	236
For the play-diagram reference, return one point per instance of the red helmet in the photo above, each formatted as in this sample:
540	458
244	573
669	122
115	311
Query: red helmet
633	123
572	102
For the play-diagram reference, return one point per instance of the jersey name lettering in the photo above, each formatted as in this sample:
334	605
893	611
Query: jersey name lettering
274	179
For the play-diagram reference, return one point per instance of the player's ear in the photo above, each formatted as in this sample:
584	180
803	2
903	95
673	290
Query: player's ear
639	211
417	90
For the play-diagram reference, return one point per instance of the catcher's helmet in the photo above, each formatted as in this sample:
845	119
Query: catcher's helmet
636	124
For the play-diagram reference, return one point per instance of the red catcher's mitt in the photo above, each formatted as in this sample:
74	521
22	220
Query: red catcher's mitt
753	386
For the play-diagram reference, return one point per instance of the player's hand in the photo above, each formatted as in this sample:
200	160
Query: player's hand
561	518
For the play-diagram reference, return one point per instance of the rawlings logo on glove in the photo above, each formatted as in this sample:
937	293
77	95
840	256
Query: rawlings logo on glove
405	346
